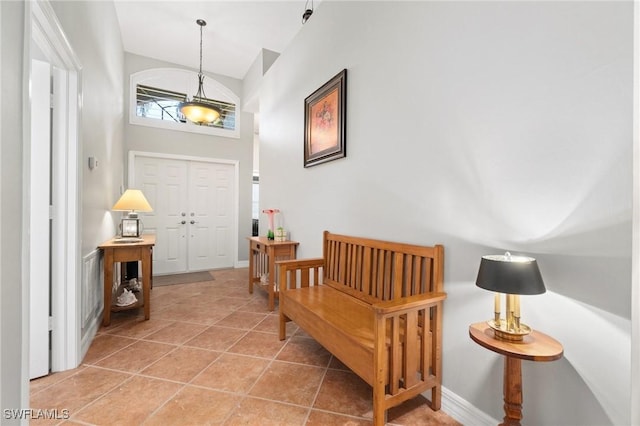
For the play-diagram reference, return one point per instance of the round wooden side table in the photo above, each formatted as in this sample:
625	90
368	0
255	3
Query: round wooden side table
536	346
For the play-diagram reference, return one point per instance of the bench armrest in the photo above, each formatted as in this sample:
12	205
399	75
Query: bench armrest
290	265
299	272
408	303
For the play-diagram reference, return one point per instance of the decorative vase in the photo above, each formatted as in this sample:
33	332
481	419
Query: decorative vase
270	213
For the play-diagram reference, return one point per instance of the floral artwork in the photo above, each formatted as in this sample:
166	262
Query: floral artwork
324	123
325	126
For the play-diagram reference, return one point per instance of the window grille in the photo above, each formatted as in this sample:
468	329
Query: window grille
161	104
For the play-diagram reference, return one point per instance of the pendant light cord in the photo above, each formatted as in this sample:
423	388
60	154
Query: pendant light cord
201	48
200	95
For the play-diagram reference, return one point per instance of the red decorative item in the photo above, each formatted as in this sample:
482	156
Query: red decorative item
271	213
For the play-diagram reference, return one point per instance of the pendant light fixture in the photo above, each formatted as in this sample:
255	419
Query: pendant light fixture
198	110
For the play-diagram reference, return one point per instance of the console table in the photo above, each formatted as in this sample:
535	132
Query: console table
263	254
536	346
127	250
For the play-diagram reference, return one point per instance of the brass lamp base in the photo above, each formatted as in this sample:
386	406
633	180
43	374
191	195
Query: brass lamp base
502	331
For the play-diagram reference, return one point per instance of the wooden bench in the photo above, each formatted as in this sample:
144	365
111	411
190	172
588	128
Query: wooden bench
377	307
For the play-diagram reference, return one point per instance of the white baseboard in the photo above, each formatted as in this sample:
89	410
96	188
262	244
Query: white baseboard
463	411
242	264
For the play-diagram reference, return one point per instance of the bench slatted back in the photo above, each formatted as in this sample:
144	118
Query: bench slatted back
375	270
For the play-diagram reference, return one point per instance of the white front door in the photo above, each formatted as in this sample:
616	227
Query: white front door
164	184
210	216
193	212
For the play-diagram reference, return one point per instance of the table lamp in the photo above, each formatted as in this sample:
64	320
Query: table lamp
133	201
513	276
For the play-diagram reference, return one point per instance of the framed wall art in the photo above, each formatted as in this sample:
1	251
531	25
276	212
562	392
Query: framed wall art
325	122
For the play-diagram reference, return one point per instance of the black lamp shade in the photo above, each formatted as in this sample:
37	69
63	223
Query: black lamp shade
510	275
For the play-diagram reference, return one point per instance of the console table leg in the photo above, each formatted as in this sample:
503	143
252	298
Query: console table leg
512	391
108	286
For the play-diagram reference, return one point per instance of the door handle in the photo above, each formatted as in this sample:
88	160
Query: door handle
182	222
192	222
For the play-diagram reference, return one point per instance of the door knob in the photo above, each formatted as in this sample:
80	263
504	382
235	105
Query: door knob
192	222
183	222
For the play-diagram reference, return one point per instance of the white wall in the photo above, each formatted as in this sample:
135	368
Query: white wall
485	126
150	139
14	390
94	34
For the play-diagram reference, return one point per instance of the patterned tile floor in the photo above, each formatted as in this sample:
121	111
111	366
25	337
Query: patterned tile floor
210	354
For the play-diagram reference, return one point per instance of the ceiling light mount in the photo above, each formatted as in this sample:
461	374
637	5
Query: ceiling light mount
307	12
198	110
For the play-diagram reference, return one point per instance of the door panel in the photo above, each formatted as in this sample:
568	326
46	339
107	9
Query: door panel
211	193
164	183
39	222
224	214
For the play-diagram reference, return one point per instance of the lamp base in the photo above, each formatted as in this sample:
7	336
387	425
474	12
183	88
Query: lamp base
502	331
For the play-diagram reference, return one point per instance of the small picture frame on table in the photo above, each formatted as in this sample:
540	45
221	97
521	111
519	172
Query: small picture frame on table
130	227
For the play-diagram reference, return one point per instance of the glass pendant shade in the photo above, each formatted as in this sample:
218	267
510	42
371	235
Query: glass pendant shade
199	112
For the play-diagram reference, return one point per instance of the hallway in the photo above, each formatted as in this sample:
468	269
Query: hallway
210	354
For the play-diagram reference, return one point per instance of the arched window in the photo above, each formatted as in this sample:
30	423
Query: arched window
156	93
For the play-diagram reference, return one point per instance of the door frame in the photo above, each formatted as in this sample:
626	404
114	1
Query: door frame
236	180
43	30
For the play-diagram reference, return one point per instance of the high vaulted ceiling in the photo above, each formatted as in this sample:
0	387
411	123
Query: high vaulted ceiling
235	33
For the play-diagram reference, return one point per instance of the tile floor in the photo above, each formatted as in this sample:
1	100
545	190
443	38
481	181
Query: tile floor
210	354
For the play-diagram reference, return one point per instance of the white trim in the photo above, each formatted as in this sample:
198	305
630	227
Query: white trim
26	171
241	264
43	27
635	234
133	154
236	174
1	110
463	411
183	81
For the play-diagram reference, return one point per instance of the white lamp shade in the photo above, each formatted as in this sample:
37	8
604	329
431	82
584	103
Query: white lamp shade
132	200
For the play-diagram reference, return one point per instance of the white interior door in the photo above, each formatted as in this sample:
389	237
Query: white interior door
39	219
211	190
194	212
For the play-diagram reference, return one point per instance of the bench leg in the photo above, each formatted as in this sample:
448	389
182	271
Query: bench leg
436	398
379	405
283	326
379	412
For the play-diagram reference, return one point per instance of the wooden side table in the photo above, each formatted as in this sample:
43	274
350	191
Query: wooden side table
119	251
263	254
536	346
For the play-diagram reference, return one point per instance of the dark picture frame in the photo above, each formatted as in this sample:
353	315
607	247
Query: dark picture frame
325	114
